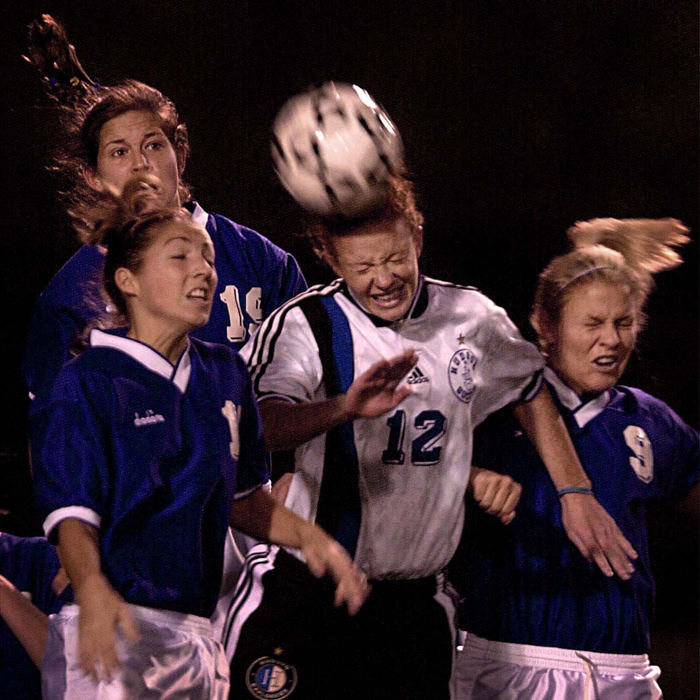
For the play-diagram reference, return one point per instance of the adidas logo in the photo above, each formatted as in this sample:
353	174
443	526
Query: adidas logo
416	376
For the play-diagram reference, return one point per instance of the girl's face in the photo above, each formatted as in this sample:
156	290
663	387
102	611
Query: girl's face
597	332
379	263
172	291
134	144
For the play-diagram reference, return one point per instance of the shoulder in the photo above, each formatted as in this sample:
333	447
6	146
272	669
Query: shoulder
645	406
465	298
228	231
83	266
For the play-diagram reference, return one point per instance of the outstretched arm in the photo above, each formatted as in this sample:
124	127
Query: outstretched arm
586	522
261	516
102	610
287	425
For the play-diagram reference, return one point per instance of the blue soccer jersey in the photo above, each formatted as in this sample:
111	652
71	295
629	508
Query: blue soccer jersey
526	583
255	277
30	564
153	456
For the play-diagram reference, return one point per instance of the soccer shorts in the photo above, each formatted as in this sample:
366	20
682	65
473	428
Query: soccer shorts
292	641
485	670
176	657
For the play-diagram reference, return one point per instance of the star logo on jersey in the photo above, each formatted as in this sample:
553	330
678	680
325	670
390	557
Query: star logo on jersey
416	376
461	339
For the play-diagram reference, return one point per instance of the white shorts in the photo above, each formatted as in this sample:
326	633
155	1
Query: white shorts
175	657
485	670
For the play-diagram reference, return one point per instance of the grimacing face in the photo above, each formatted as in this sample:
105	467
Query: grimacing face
596	335
379	262
134	144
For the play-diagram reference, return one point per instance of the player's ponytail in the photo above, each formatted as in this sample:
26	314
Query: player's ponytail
56	61
619	251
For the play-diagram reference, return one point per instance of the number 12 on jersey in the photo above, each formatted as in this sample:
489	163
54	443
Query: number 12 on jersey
431	426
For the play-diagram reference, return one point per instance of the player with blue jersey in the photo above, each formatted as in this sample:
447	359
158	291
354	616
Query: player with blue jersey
112	134
381	464
540	622
149	444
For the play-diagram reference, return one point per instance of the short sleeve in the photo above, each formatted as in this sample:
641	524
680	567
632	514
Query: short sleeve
71	474
681	470
512	369
283	358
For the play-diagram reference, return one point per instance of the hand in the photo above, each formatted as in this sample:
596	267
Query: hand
495	493
597	536
324	556
102	611
375	391
280	488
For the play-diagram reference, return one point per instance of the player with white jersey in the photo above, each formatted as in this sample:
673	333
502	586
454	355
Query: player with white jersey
382	464
540	621
149	445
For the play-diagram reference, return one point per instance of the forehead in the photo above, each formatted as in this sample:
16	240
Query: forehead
178	229
133	124
374	240
600	298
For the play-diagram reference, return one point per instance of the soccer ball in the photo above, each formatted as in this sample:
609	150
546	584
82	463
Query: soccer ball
333	148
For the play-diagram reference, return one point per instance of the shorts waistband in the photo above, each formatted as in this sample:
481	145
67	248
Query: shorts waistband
553	657
162	618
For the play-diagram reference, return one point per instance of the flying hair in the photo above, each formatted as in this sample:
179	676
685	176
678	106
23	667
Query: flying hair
618	251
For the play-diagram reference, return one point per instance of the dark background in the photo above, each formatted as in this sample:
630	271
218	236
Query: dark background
519	118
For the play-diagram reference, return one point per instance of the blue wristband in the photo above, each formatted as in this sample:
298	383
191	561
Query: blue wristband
575	489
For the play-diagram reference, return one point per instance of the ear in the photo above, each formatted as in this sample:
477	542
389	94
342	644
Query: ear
126	282
546	333
93	180
418	240
327	255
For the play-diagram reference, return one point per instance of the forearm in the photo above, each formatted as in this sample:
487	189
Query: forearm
547	432
287	425
261	516
78	548
25	621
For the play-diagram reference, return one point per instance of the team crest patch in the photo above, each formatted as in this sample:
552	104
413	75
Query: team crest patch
270	679
461	374
643	461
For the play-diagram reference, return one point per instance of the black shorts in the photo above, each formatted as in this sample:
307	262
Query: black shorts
296	643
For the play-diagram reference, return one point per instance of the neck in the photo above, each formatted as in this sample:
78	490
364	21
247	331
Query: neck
168	343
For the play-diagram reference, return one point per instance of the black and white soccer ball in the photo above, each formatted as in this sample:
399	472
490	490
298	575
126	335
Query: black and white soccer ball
333	148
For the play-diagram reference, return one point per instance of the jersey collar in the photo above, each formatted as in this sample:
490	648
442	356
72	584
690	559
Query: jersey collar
418	305
179	374
199	216
581	412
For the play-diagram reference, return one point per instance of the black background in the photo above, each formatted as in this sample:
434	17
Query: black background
519	118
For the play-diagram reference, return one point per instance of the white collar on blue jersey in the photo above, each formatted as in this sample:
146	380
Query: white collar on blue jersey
199	216
582	412
179	374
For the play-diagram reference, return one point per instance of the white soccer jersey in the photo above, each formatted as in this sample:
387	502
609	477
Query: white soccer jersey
391	489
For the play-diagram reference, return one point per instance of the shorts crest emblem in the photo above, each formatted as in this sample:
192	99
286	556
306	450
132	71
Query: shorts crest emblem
270	679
